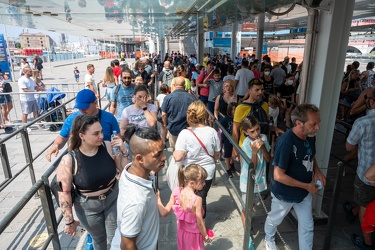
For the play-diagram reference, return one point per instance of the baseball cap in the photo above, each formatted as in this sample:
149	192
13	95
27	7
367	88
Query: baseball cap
123	63
84	98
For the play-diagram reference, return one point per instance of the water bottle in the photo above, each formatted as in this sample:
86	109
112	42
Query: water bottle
116	149
88	244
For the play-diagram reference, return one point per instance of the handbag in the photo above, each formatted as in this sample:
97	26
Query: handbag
56	185
172	173
201	143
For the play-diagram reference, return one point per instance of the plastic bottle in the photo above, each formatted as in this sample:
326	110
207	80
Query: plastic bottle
116	149
88	244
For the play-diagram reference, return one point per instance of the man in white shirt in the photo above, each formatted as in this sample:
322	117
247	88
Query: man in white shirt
28	102
242	79
89	79
137	211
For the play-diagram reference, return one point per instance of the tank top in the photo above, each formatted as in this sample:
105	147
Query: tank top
95	172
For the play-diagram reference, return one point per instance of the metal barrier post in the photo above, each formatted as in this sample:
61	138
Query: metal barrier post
332	212
28	153
5	161
249	207
49	212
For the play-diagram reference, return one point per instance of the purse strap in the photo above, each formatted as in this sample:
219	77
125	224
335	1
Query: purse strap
200	142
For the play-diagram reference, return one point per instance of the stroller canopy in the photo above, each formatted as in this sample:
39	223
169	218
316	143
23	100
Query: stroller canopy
56	95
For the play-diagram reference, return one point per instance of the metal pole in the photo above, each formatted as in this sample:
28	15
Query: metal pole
249	207
49	212
28	154
335	199
49	60
260	34
5	161
10	56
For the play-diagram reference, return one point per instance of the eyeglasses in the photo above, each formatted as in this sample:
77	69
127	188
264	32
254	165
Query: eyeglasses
88	121
126	77
142	69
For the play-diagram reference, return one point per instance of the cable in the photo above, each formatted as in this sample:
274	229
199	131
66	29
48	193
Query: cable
282	13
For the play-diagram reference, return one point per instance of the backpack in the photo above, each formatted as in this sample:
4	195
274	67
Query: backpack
117	89
260	114
167	77
7	88
39	61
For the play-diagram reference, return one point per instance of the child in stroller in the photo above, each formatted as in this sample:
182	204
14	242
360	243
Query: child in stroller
50	102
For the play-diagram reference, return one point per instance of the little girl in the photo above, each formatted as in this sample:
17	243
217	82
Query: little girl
187	206
159	103
257	149
227	122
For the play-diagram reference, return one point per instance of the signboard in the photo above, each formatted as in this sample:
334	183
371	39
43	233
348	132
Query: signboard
222	42
264	49
4	63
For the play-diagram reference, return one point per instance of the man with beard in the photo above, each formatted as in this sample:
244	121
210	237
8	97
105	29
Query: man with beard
363	134
295	177
121	96
255	93
137	212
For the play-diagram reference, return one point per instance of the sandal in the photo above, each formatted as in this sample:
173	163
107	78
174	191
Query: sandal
359	242
348	207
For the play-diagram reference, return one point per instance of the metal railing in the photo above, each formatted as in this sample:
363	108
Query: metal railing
40	188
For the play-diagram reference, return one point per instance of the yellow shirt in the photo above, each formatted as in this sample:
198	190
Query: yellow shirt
205	61
241	112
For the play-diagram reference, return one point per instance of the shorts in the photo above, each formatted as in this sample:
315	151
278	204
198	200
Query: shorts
204	99
363	194
211	106
4	99
28	107
39	67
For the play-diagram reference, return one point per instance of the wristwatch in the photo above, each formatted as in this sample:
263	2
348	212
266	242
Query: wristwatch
145	108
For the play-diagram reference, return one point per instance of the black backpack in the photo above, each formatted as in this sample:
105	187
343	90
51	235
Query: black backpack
7	88
39	61
260	114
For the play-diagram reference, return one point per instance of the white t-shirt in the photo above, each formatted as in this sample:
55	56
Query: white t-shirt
26	83
137	212
274	113
187	142
243	76
137	116
89	78
160	99
227	77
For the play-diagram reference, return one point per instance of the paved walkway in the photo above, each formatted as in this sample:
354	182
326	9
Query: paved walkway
28	231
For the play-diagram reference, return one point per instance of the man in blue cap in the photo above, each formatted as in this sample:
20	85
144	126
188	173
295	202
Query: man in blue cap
87	104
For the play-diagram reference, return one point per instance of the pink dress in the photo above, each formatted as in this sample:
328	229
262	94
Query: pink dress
188	235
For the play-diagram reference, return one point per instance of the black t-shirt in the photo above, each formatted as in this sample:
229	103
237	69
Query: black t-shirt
296	157
286	91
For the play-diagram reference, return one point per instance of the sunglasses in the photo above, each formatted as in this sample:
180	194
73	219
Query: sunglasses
126	77
88	121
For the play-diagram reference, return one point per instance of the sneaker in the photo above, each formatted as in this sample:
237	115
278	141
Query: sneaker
270	245
230	175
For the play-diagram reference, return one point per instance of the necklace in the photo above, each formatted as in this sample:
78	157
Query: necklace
91	152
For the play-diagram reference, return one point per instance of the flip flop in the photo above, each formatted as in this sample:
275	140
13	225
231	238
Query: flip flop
357	241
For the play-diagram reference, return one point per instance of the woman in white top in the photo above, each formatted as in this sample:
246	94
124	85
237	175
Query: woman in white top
109	81
23	64
190	150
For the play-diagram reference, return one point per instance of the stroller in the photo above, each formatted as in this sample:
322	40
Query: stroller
50	102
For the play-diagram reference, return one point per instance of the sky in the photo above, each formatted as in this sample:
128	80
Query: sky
15	31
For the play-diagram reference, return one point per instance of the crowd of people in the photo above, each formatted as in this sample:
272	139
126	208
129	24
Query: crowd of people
115	195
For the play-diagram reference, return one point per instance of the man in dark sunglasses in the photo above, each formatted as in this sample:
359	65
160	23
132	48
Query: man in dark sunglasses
87	104
121	96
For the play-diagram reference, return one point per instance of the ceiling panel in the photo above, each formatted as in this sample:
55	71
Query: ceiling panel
117	19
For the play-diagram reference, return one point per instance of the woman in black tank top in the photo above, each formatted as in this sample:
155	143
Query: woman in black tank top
94	177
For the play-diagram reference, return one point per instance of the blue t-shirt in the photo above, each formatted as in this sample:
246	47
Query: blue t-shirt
296	157
176	105
124	99
107	120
